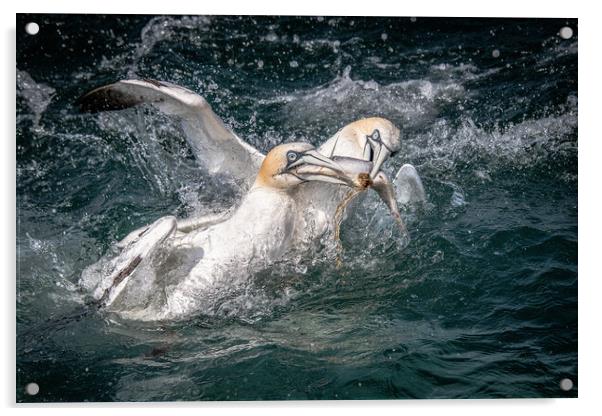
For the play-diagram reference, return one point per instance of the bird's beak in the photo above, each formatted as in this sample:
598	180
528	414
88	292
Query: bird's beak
313	166
381	153
313	157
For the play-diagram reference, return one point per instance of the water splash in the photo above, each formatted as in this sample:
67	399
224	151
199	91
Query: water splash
413	102
158	30
37	97
519	145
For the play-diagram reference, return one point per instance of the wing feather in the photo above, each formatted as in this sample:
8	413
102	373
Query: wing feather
216	147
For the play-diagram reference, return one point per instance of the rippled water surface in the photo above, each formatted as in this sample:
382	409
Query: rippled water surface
481	303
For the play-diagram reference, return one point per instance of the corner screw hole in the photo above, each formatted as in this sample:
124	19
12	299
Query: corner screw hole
32	389
566	33
566	384
32	28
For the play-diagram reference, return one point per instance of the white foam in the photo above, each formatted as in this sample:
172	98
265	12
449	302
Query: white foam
520	144
37	97
343	99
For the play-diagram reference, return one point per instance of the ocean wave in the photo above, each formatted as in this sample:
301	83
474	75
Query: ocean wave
413	102
518	145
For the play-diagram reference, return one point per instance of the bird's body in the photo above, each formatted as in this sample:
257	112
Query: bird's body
259	232
280	212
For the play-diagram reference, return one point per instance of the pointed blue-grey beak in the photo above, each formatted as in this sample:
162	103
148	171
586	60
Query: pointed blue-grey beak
313	166
380	152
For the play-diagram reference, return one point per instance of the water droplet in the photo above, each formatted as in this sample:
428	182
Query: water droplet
384	36
457	199
271	37
495	53
412	19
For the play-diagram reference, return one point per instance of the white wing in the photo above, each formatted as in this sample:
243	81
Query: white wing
408	186
217	148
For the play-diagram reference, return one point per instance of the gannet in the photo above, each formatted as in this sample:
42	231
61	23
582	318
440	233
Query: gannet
373	140
263	228
221	151
363	145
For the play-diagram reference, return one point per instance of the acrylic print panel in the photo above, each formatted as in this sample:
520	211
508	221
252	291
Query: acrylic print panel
412	232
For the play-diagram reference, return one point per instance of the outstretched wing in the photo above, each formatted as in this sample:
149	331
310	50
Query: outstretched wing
408	186
216	147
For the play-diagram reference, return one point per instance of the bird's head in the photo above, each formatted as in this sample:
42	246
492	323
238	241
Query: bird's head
378	137
291	164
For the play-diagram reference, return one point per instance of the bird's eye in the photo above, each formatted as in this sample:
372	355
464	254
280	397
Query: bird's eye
376	135
291	156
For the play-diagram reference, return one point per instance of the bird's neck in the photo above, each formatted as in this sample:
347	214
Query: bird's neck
265	182
267	214
266	196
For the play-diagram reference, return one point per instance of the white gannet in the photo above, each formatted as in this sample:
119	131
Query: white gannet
221	151
263	228
373	140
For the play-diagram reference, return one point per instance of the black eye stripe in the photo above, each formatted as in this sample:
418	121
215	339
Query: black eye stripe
375	135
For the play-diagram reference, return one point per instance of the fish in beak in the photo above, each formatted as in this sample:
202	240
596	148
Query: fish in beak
380	183
313	166
384	188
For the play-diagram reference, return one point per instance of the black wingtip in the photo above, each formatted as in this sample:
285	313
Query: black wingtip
153	82
106	98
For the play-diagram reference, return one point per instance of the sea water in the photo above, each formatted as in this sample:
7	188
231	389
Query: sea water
482	302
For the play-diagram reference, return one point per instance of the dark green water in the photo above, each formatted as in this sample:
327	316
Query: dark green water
481	304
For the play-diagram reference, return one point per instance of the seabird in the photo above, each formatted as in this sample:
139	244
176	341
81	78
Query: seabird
362	146
264	227
372	140
221	151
